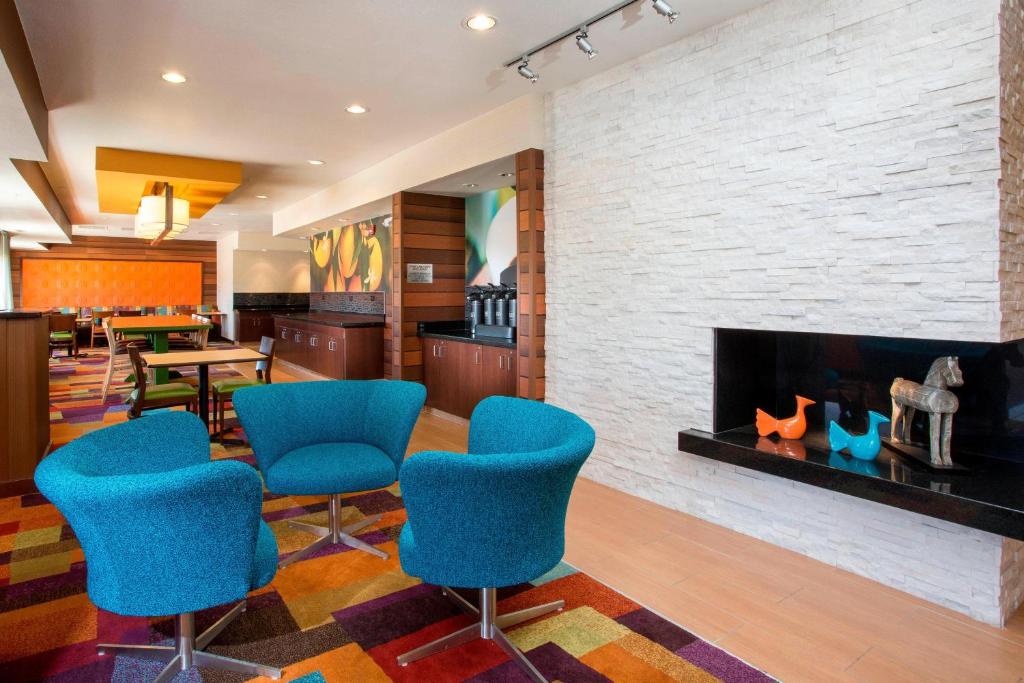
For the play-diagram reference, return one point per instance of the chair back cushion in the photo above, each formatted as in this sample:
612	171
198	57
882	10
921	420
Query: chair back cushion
279	418
495	516
164	530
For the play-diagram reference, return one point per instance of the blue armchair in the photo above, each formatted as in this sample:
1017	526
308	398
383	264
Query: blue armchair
330	438
494	517
165	531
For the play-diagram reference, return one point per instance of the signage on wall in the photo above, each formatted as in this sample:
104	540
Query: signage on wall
419	273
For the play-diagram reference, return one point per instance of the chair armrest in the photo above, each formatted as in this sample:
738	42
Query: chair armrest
176	542
394	407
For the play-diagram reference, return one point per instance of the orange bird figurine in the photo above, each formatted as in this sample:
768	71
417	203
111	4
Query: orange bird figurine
790	428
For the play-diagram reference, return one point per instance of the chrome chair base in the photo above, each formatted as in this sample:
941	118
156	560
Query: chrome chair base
334	533
488	627
187	651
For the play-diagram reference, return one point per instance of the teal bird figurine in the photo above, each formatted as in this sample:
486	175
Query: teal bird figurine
863	446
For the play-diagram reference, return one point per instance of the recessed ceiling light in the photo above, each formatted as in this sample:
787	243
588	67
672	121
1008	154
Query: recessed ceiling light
315	162
262	196
216	225
469	184
506	175
174	77
480	22
356	109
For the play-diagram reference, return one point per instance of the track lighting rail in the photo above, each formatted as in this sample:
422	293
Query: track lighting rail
579	31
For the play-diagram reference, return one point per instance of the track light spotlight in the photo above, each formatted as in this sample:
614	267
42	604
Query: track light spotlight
526	72
583	43
665	10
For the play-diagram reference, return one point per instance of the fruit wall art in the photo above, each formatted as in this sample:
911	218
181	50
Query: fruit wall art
353	258
491	236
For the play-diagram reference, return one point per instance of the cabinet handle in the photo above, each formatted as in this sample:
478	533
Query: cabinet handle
476	358
499	361
331	344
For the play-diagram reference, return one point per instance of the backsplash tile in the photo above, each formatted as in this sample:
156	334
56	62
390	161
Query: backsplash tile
348	302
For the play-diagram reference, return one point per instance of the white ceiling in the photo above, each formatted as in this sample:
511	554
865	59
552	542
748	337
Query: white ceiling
21	211
269	81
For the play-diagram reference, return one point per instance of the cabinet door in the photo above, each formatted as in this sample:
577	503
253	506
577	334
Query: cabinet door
299	343
264	326
433	372
334	355
282	345
499	372
470	378
511	384
313	348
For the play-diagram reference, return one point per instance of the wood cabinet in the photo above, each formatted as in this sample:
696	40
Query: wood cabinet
460	374
331	351
252	325
24	399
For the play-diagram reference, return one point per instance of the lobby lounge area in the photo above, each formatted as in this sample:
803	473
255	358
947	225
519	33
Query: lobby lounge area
578	341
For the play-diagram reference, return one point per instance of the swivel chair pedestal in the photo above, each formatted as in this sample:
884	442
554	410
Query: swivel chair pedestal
488	628
334	533
187	650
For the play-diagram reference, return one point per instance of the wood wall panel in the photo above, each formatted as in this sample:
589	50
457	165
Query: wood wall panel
532	306
426	229
128	249
24	400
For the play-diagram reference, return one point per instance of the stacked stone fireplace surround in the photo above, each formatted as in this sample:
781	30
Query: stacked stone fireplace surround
831	166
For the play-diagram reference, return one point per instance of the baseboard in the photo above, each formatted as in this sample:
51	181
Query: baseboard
446	416
17	487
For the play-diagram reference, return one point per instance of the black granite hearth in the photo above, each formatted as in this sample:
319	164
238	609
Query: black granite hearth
990	497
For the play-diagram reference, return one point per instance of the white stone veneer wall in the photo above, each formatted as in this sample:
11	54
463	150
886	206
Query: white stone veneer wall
813	165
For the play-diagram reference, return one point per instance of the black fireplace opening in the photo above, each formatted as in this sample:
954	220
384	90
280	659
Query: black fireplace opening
848	375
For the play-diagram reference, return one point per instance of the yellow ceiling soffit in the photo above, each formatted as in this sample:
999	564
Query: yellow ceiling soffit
123	176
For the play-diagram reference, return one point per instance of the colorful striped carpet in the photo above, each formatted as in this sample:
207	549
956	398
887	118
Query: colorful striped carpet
340	615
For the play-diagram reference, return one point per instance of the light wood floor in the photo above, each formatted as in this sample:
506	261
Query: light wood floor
794	617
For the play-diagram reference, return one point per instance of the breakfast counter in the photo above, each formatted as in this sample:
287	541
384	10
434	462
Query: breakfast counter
332	319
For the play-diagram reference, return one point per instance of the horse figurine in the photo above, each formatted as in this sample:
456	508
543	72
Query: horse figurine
934	398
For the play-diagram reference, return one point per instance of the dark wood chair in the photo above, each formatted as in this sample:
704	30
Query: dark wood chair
226	388
148	396
64	332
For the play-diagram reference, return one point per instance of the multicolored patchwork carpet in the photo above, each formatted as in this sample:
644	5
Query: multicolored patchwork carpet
340	615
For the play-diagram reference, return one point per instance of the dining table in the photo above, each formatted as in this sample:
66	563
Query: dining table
202	359
157	327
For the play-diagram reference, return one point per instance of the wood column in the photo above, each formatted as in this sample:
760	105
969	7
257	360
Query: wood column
530	206
425	229
24	399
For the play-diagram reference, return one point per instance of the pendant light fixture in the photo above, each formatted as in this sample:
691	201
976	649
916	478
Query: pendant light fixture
161	216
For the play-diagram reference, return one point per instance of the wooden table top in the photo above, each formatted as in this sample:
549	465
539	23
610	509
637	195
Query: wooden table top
207	357
155	323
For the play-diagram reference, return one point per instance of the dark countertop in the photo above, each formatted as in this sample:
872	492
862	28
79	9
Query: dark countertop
272	309
334	319
463	335
20	313
989	496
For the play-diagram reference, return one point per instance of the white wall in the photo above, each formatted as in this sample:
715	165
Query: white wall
499	133
814	165
254	262
226	283
271	271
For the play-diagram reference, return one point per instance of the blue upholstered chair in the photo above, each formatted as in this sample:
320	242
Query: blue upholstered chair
494	517
165	531
330	438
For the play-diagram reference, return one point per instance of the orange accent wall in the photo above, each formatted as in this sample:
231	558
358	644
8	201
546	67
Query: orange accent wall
48	283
